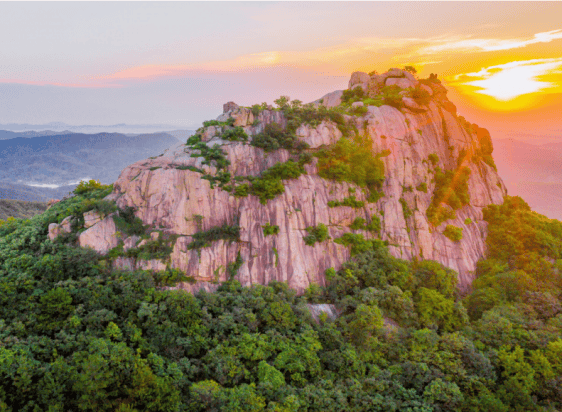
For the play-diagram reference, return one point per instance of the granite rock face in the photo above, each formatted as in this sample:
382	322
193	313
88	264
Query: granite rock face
181	203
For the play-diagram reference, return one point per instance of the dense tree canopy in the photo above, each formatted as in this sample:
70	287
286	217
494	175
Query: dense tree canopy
77	335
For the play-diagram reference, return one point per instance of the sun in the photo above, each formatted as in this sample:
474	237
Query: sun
512	85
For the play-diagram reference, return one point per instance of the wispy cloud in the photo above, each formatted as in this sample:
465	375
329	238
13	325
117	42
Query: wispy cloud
510	80
359	53
487	45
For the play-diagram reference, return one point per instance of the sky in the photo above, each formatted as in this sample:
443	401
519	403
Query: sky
176	63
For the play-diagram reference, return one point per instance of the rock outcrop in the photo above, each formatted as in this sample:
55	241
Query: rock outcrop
56	229
169	193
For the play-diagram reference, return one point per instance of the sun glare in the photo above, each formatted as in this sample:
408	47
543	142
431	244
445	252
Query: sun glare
509	81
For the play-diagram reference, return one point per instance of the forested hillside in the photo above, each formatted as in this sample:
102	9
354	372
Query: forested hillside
77	335
20	209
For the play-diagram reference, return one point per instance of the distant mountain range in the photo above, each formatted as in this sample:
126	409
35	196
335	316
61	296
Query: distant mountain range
59	127
35	194
49	166
5	134
533	172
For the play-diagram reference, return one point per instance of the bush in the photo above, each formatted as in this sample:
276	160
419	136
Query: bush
422	187
269	184
127	223
357	224
433	158
92	188
357	242
237	134
275	137
453	232
316	234
375	224
269	229
354	95
421	96
392	97
153	249
193	140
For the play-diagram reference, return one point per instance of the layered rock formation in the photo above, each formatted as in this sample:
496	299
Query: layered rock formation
179	202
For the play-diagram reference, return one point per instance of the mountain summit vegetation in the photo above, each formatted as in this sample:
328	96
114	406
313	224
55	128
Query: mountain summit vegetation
82	331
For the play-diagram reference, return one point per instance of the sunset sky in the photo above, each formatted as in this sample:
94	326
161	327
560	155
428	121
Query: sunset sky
177	63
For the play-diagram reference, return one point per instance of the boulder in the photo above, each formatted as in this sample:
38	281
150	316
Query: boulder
357	104
331	99
401	82
317	310
242	116
101	237
227	107
210	132
394	73
64	227
91	218
358	78
130	242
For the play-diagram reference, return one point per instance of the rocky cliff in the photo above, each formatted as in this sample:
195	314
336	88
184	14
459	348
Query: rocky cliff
189	192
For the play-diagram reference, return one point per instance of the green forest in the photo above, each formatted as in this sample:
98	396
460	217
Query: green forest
76	335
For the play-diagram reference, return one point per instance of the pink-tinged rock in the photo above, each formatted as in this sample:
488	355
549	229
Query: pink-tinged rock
411	77
242	116
210	132
412	105
394	73
101	237
357	104
130	242
324	134
331	99
64	227
227	107
401	82
91	218
358	78
427	89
